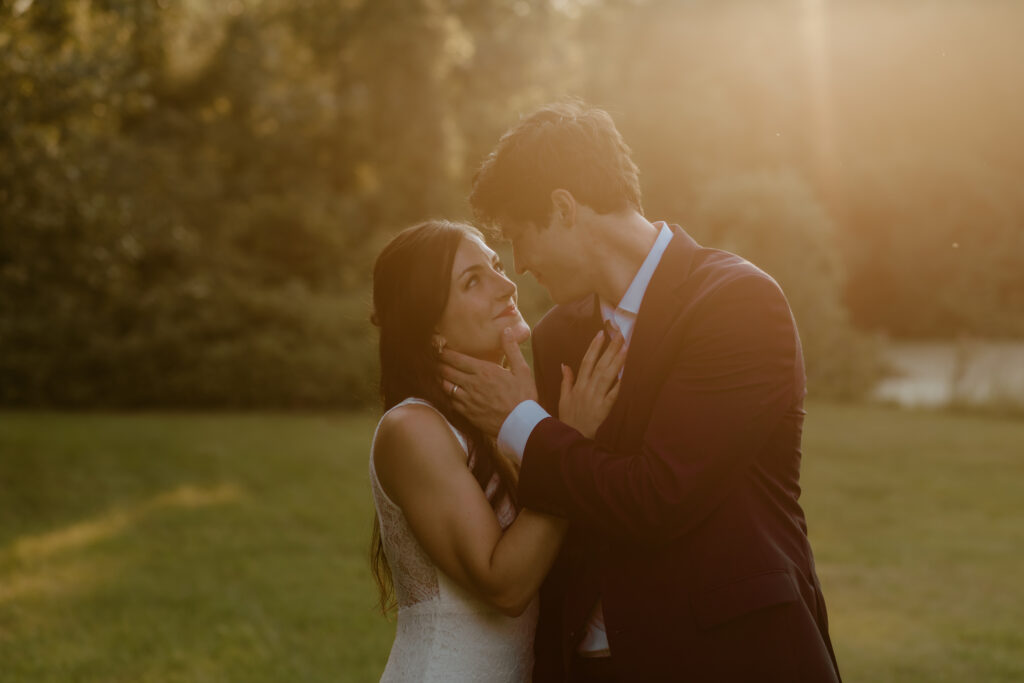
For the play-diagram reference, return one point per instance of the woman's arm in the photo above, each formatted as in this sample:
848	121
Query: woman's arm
422	467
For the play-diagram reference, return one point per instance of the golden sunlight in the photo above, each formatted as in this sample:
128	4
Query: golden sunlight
814	32
102	527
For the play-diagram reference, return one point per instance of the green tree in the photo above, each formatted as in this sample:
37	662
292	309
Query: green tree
193	194
774	220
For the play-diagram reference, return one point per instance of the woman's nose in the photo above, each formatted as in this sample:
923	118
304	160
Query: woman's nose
507	288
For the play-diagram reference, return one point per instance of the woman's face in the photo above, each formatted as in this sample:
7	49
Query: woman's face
481	303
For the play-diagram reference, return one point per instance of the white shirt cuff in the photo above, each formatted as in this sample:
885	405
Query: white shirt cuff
518	426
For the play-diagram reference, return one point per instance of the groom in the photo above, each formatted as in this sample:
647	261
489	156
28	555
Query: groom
687	558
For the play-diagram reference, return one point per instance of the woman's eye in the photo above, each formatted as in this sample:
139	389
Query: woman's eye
500	267
471	281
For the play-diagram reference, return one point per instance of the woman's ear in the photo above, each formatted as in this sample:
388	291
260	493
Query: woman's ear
438	343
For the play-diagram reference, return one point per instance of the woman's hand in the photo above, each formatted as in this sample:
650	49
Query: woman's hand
586	400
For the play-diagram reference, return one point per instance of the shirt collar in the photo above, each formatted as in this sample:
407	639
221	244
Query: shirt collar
635	292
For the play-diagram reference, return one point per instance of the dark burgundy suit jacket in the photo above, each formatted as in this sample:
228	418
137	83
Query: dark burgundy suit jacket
683	509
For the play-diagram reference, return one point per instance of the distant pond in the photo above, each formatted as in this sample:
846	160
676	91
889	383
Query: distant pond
936	374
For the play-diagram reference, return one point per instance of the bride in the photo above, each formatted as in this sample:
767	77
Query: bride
450	547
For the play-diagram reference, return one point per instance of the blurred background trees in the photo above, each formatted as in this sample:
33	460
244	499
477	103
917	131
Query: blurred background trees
192	194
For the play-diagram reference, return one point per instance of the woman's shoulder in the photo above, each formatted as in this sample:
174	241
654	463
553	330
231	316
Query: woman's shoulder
415	430
414	447
412	415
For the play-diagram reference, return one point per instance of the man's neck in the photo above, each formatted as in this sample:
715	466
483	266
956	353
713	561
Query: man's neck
623	244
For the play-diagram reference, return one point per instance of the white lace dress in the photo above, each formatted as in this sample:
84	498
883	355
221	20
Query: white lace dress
444	634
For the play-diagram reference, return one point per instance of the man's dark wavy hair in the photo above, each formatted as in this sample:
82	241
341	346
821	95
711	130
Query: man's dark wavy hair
566	145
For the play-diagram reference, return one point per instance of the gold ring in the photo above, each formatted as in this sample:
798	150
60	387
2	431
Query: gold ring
455	387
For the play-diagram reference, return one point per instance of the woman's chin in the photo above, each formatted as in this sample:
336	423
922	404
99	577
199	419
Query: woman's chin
520	331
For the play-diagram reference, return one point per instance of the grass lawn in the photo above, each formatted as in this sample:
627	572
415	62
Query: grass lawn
233	547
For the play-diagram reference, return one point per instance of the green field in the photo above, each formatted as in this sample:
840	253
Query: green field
233	547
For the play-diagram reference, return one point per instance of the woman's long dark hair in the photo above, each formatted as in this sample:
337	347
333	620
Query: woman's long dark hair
411	281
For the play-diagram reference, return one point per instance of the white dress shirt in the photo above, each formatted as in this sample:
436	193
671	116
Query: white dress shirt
520	423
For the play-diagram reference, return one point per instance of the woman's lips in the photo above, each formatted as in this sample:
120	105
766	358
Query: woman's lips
511	310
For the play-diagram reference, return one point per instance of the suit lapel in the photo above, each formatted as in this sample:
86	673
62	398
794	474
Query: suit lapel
657	312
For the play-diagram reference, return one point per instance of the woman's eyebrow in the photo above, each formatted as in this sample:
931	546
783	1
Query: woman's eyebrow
476	266
469	269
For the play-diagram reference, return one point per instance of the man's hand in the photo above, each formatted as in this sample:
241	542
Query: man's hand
587	400
486	393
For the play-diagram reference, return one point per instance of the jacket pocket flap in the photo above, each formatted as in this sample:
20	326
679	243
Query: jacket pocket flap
745	595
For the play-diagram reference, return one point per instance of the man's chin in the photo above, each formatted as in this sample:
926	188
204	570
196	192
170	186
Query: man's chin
565	297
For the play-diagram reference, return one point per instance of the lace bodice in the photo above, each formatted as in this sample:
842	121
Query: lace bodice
444	633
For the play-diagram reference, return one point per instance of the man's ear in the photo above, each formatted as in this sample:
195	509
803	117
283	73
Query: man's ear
563	207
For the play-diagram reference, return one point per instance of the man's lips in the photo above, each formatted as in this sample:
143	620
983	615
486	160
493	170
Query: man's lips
510	310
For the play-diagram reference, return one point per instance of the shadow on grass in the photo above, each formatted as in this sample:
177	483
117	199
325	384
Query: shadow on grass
37	571
186	547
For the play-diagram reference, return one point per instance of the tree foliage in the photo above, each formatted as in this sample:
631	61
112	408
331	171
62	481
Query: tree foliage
192	194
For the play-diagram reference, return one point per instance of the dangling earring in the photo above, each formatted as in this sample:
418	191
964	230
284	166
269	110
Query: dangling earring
439	343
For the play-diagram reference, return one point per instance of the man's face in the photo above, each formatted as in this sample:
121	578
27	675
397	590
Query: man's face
553	256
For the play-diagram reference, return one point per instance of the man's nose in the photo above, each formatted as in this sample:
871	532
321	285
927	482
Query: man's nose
518	262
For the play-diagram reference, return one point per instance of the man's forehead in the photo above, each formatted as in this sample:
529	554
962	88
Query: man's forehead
511	229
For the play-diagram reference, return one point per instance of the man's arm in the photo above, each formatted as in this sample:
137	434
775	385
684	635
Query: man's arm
492	397
730	383
485	392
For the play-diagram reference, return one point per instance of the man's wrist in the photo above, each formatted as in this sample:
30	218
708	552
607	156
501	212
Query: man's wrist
516	429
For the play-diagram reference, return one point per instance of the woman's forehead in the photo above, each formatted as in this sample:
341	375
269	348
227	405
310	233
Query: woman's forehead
472	246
